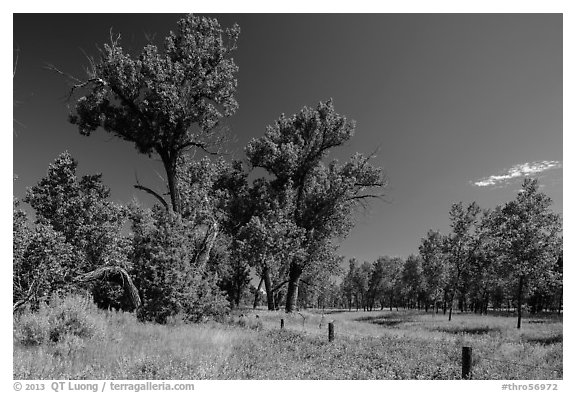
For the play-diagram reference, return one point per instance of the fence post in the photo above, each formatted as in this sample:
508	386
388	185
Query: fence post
282	323
330	331
466	362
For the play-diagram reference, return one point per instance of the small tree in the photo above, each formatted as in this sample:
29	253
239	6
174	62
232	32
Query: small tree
433	266
78	210
412	280
528	234
461	246
391	281
47	265
169	281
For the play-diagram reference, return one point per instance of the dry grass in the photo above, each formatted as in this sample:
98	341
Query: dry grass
368	345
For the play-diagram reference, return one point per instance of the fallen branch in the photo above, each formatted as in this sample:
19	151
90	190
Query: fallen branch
26	298
109	273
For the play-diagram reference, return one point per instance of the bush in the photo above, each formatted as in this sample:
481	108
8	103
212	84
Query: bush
74	315
31	329
164	248
71	316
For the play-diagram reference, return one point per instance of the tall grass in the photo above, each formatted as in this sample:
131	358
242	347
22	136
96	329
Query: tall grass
375	345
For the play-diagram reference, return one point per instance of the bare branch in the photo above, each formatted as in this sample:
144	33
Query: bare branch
79	83
26	298
151	192
200	145
16	62
277	287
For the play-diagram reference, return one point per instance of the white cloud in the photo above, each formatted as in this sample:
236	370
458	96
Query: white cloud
517	171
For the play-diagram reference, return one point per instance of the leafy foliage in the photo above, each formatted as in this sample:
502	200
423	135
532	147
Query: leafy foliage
322	197
528	234
165	100
75	219
164	272
71	315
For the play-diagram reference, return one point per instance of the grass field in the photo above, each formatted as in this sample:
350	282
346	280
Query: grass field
367	345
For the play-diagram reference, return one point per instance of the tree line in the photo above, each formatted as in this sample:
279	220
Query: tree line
504	258
193	252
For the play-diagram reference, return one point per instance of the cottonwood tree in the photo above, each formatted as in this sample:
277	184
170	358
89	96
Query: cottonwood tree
375	283
487	275
166	100
461	246
214	200
264	243
528	234
324	196
347	285
77	209
434	276
413	281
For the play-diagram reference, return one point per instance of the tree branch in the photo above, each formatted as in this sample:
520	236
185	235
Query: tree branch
277	287
151	192
25	299
79	83
105	271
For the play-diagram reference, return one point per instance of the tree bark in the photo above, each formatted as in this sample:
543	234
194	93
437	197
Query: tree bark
292	295
519	299
209	240
170	168
257	295
268	287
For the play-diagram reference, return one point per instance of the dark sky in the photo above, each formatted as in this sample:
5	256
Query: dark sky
460	106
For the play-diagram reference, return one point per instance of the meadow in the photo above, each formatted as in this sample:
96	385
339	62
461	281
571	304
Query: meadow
249	344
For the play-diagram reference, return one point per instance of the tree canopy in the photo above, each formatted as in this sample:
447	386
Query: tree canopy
166	100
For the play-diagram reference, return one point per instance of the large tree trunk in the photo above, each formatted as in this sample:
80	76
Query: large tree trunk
268	287
519	299
292	295
170	168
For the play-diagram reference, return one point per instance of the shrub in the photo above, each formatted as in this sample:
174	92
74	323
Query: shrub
31	329
60	320
164	249
74	315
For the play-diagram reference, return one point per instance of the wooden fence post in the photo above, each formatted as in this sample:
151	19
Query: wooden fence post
466	362
282	323
331	331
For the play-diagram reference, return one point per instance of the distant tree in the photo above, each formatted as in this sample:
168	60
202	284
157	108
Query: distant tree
375	283
528	234
324	197
461	246
433	266
486	275
413	281
347	285
167	100
361	279
392	280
